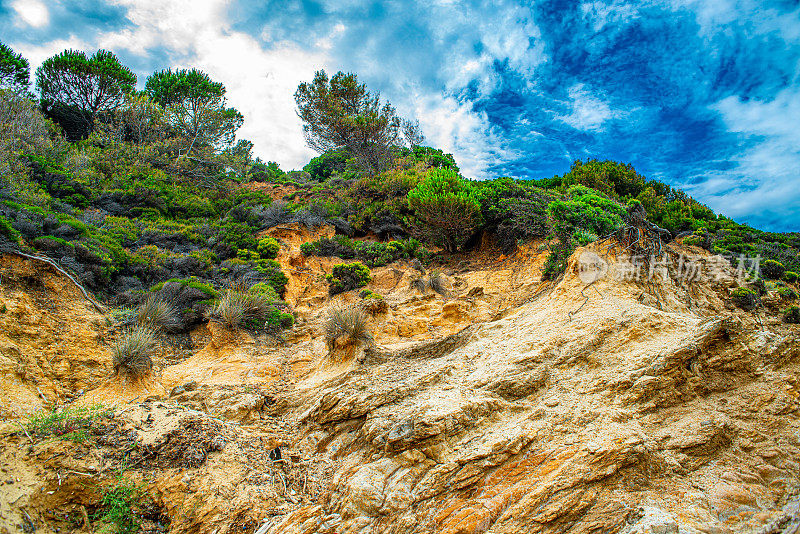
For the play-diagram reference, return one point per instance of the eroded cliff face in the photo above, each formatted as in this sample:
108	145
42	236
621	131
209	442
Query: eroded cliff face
511	405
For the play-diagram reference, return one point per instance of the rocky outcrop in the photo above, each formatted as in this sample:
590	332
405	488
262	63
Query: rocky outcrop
523	406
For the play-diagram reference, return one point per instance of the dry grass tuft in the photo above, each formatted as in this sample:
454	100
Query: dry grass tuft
156	314
418	284
132	353
349	321
436	282
237	309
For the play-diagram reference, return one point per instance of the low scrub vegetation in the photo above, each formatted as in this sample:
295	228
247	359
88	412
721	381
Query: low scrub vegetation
347	276
792	315
772	270
373	254
744	298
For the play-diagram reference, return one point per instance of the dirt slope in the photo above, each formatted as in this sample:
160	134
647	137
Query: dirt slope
512	405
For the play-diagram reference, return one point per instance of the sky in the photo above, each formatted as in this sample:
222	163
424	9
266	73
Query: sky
704	96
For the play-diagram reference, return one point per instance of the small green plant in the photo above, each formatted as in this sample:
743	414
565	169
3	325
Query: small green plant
69	424
268	248
792	315
276	318
348	321
772	269
744	298
119	506
133	350
8	231
791	276
347	276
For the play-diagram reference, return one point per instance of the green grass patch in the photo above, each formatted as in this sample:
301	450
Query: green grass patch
71	424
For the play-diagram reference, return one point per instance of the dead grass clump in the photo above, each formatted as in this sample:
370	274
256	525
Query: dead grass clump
132	354
156	314
436	283
418	284
240	309
349	321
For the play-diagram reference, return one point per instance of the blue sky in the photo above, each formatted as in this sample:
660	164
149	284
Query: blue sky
702	95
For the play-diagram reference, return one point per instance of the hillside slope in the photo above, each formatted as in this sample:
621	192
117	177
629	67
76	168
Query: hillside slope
511	405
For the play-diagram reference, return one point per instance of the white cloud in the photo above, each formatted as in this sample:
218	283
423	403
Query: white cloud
602	14
765	177
457	128
32	12
588	113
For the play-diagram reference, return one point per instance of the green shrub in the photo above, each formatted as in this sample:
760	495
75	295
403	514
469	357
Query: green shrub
349	321
268	248
308	248
791	276
264	289
787	293
272	270
693	240
758	286
744	298
792	315
772	270
584	237
133	350
8	231
277	318
347	276
195	284
445	209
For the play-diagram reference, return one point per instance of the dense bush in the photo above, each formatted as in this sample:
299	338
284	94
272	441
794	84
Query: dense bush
326	165
772	270
445	209
790	276
268	248
787	293
744	298
347	276
792	315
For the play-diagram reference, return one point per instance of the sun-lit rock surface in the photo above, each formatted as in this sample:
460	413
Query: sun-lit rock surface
510	405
